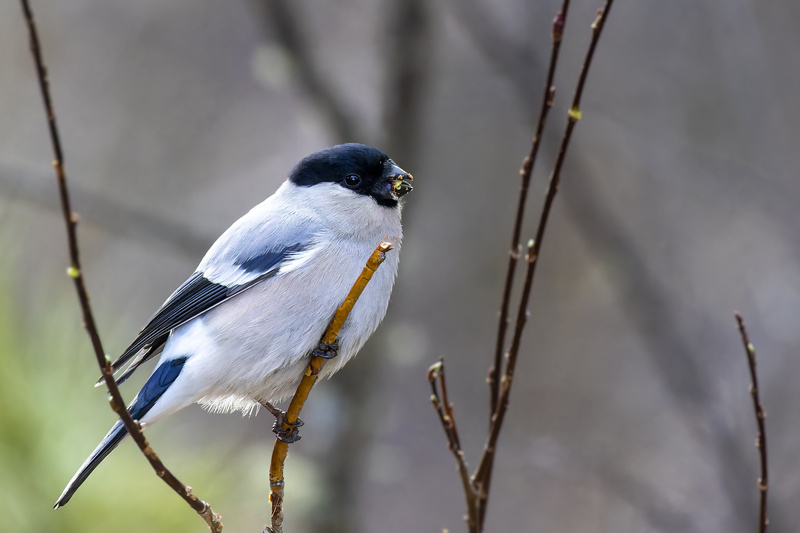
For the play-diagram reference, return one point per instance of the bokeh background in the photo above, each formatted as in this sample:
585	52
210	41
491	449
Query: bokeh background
630	411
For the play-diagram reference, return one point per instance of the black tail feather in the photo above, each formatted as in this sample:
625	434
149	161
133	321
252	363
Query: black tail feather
111	440
162	378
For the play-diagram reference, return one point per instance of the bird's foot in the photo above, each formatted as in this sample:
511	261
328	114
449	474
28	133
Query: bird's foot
327	351
284	431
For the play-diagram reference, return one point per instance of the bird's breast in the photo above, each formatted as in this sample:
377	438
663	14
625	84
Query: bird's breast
264	334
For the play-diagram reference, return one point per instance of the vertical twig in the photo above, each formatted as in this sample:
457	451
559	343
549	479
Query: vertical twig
281	448
598	227
75	272
761	439
483	474
525	172
444	408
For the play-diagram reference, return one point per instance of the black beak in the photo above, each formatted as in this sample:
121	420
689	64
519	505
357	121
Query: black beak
399	180
393	184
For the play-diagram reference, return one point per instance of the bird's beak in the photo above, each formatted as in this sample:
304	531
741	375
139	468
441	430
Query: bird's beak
399	180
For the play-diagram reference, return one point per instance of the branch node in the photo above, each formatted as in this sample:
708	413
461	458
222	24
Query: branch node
558	27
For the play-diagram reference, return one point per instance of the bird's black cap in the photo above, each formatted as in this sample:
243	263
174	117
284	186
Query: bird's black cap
357	167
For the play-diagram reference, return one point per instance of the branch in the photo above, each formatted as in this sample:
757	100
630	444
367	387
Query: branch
443	407
276	478
525	172
407	60
481	479
74	271
31	184
684	379
502	52
338	113
761	439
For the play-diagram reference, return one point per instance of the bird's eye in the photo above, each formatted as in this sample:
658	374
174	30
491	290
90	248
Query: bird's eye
352	180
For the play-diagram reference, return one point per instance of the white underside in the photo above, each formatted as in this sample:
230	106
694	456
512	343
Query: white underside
254	347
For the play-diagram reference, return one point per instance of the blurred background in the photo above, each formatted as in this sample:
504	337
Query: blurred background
630	409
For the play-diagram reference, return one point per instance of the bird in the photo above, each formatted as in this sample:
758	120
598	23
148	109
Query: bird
238	333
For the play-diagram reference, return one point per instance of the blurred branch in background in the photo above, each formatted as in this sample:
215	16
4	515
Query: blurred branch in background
761	439
406	72
74	271
408	60
502	51
28	183
282	18
646	302
478	488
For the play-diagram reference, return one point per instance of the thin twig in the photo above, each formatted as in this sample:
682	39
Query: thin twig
598	227
525	172
75	272
761	440
281	448
443	407
481	479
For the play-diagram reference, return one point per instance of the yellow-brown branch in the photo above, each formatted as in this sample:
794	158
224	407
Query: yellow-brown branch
313	369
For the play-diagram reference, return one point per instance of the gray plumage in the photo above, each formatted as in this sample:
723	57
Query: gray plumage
240	330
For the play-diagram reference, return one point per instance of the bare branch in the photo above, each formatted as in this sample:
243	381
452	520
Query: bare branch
289	421
443	407
525	172
761	439
482	477
502	52
74	271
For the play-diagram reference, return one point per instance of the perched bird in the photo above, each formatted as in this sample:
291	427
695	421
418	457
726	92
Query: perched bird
239	331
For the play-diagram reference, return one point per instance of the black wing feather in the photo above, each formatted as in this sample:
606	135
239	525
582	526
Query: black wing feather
193	298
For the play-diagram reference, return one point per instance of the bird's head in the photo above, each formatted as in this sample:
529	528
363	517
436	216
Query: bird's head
357	167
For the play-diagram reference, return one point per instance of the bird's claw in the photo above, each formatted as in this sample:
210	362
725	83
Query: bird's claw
284	430
327	351
287	435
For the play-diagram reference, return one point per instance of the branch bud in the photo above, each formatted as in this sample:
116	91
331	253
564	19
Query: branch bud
558	27
435	369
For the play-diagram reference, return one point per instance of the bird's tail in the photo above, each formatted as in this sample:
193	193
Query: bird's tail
106	446
157	384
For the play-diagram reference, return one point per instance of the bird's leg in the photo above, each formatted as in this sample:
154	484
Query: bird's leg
272	409
283	430
327	351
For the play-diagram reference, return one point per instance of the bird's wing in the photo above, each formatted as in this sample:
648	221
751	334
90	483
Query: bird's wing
251	251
